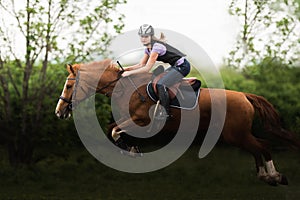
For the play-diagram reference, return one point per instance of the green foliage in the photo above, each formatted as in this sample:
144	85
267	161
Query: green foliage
234	80
267	47
298	8
70	30
277	82
53	32
268	29
103	110
280	84
55	134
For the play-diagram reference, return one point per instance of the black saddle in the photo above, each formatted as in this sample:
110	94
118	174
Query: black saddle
183	95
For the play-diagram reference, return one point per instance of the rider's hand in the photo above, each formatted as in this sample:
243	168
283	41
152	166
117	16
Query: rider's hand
126	73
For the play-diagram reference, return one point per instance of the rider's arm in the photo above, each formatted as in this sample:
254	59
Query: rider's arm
141	67
140	64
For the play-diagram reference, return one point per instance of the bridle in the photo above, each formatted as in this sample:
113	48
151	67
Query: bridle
70	105
69	101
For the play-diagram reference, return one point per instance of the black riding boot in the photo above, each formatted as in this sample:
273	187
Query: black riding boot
164	100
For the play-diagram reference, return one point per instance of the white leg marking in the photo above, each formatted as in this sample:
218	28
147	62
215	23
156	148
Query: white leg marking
262	172
271	168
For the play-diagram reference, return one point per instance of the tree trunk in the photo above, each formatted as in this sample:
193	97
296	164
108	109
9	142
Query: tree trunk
20	149
20	152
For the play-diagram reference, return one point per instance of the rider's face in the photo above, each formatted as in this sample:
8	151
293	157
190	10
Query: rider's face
145	40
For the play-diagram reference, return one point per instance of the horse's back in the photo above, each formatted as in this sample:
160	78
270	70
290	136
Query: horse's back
233	100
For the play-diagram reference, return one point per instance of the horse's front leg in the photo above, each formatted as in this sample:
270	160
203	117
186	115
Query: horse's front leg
116	136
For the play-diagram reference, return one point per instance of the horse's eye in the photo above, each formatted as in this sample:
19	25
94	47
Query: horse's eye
69	86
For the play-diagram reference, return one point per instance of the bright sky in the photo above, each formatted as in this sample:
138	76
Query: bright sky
207	22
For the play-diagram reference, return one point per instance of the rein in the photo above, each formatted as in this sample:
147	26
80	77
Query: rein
119	77
111	82
142	98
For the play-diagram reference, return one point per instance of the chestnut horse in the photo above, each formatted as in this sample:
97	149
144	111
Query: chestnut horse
241	109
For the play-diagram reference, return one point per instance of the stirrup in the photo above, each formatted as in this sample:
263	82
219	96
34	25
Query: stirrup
162	114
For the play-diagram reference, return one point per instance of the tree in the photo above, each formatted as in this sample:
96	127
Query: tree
269	28
36	37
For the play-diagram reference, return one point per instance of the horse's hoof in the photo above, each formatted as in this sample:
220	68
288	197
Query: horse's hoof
267	179
283	180
272	182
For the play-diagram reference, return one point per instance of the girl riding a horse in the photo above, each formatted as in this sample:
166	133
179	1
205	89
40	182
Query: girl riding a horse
158	50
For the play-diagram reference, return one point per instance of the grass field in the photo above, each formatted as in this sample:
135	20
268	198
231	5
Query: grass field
226	173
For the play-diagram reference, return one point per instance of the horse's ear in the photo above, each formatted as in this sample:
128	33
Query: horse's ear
70	69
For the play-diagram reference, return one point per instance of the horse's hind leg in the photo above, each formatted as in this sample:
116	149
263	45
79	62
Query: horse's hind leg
260	168
274	176
255	148
266	172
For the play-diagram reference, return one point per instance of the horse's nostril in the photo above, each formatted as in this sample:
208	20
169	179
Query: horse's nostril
57	113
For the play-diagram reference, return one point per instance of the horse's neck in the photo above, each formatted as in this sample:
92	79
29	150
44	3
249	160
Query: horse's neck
126	84
108	81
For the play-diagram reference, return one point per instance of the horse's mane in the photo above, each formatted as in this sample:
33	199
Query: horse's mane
106	64
92	71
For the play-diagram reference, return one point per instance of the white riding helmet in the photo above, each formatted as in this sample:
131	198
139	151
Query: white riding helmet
146	30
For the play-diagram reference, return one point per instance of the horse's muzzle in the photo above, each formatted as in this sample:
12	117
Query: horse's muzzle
63	115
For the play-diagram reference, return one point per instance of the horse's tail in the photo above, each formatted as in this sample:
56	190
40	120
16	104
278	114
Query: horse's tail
271	120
